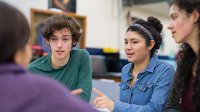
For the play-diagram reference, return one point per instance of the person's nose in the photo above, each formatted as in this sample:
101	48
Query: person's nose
169	25
128	46
59	44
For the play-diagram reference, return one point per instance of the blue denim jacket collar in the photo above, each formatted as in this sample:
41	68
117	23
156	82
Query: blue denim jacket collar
152	64
149	68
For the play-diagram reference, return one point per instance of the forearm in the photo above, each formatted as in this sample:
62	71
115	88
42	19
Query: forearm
86	94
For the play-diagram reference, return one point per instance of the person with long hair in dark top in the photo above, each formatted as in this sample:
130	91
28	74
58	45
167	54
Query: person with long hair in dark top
184	25
20	90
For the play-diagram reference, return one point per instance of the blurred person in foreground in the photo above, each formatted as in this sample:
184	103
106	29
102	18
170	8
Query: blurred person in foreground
21	91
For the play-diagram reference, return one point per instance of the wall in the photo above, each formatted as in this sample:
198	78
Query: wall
102	22
102	19
25	5
106	22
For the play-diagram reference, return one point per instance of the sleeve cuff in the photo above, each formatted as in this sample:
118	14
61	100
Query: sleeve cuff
118	106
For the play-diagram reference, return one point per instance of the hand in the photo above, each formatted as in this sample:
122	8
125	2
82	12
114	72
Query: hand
77	91
102	101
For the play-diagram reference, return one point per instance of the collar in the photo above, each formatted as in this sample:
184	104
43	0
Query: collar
150	68
152	64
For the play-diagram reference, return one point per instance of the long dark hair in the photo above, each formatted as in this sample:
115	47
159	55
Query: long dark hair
14	32
187	59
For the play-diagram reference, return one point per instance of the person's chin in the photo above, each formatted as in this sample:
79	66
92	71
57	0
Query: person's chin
178	41
60	56
131	60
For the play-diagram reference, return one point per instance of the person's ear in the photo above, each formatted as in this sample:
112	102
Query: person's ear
195	16
151	45
74	43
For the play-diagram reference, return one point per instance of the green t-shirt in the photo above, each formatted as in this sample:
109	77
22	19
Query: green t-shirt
77	73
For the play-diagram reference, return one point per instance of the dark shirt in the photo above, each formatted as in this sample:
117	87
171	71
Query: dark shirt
20	91
187	99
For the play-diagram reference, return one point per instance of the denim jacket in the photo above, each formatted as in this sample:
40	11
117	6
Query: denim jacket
150	91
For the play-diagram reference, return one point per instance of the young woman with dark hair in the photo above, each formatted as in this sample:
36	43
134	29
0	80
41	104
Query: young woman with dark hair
145	81
184	25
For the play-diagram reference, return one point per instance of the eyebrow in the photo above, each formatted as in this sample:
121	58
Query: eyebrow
172	14
66	36
130	39
61	36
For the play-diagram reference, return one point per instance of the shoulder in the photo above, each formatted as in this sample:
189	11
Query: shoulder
42	82
40	86
127	67
165	70
38	62
79	52
164	65
51	93
156	64
44	88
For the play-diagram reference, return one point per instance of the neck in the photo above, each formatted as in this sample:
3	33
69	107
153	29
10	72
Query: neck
58	63
194	41
140	66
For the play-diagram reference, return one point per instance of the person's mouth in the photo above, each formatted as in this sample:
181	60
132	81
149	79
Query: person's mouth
173	33
59	52
130	54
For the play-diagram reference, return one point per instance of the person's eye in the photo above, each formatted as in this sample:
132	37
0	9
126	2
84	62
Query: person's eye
134	42
173	17
53	39
125	43
65	39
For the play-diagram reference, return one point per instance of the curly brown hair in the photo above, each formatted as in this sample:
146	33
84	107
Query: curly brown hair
60	21
186	62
